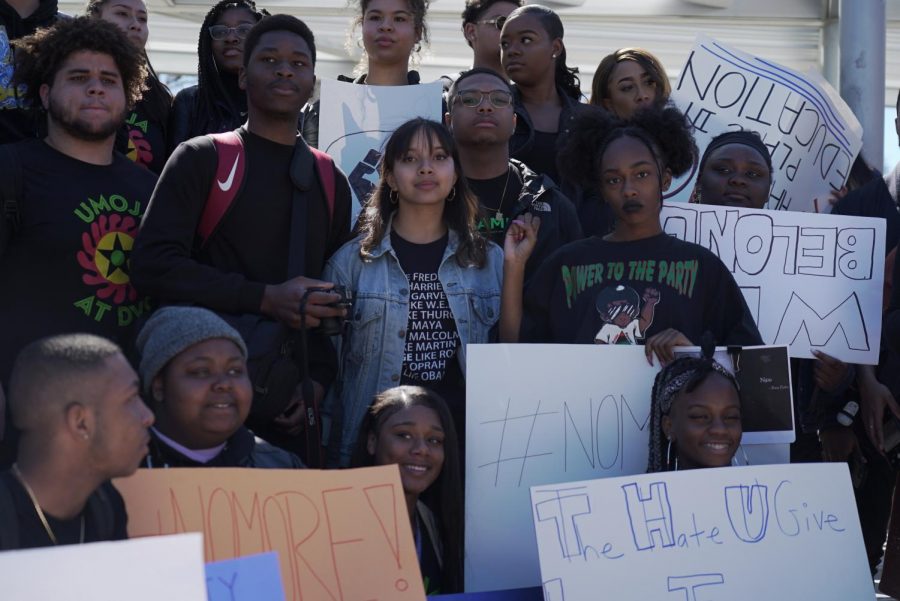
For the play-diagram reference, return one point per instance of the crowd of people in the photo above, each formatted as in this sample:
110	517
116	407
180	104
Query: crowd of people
181	284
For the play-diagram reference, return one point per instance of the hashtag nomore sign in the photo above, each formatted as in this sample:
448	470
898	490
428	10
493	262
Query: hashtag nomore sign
729	533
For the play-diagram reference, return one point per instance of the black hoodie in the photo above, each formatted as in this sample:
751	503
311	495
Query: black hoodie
16	122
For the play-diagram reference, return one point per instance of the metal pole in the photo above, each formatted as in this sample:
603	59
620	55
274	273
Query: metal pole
863	41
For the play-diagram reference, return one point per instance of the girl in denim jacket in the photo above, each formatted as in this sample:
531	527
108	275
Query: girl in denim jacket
425	283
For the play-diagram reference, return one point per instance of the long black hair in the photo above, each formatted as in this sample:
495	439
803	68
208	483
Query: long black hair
460	214
209	81
566	77
444	496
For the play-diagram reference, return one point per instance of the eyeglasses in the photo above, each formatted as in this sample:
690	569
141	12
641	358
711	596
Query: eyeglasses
220	32
473	98
496	22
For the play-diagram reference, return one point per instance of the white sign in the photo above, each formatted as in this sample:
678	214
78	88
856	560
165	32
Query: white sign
734	533
811	281
356	120
143	569
811	133
542	414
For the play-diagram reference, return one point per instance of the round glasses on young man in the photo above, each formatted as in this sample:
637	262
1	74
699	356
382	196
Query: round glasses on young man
473	98
496	22
220	32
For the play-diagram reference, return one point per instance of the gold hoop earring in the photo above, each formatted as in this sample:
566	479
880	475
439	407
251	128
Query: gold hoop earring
393	197
452	194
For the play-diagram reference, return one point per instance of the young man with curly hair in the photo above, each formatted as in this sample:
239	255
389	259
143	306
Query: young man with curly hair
71	206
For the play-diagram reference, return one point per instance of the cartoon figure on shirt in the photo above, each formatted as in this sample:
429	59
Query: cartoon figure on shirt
625	317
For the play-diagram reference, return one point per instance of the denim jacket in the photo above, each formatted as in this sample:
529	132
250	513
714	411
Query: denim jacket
372	347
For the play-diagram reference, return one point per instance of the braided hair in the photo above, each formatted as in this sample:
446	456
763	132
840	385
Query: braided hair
209	80
684	374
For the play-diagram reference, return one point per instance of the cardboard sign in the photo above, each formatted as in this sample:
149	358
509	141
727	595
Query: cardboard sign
735	533
251	578
541	414
356	120
811	281
148	569
339	534
764	377
812	135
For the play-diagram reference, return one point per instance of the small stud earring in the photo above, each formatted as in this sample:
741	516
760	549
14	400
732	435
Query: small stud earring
552	56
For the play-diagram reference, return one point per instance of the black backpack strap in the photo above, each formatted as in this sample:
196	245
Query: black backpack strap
10	185
9	524
100	511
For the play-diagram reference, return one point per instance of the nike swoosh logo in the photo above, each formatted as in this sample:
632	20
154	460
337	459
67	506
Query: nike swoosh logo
226	185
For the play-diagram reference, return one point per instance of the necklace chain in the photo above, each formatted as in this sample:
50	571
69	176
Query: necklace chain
499	214
39	511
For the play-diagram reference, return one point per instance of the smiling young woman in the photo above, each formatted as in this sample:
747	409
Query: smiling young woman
411	427
695	416
193	369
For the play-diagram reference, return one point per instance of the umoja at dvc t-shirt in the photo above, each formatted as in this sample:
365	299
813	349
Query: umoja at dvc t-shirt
66	268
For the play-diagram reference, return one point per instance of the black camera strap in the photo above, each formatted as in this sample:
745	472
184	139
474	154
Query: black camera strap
297	267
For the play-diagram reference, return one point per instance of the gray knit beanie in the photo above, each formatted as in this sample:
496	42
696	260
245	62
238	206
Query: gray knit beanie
171	330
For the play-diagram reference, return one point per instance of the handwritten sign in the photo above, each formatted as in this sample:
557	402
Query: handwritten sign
356	120
542	414
812	135
251	578
811	281
341	534
148	569
735	533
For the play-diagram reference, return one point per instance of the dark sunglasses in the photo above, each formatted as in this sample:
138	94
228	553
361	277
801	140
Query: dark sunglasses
496	22
220	32
473	98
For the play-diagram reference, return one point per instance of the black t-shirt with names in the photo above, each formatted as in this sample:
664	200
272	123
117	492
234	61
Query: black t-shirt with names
432	342
488	192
